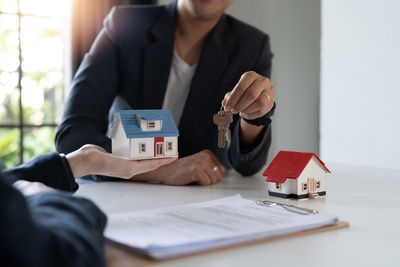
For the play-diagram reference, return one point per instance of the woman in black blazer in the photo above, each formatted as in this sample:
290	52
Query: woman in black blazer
130	66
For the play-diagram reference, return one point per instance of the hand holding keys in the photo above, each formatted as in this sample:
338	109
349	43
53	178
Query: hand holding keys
223	119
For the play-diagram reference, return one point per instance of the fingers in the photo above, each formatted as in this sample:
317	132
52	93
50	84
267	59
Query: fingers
223	103
135	167
258	108
220	167
252	93
203	168
30	188
252	97
211	170
239	90
150	164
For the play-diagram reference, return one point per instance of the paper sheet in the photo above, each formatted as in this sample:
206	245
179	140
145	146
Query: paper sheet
172	231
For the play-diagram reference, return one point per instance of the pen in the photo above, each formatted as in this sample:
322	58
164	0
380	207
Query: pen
288	207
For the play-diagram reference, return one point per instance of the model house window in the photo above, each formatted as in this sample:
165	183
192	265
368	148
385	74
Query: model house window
304	186
142	147
159	149
169	146
317	184
151	124
278	186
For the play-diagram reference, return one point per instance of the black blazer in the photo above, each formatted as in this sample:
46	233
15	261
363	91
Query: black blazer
49	228
131	59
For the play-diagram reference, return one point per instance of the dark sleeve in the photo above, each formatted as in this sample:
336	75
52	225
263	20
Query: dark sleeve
251	160
49	229
93	89
50	169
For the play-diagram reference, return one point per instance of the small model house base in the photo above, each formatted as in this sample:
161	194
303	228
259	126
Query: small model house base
296	175
144	134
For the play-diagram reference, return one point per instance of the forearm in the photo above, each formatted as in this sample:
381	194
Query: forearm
93	90
50	169
53	230
74	133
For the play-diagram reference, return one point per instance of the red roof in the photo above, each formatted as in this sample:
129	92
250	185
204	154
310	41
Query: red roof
289	165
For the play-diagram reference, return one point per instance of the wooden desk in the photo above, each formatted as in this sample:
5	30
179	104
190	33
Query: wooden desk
368	198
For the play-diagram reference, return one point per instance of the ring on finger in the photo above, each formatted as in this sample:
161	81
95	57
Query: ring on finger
267	96
215	168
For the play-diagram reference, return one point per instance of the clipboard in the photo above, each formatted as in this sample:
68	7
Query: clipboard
120	255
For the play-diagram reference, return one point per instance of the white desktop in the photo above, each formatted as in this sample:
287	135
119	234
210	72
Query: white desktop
367	198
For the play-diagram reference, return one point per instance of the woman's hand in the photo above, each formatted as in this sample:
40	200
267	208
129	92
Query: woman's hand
92	159
252	97
202	168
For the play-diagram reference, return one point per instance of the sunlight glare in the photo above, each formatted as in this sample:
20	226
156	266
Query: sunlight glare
50	8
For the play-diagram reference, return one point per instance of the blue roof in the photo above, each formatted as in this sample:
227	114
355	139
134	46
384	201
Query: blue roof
132	127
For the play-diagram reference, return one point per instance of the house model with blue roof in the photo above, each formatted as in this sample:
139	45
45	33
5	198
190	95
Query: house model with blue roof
144	134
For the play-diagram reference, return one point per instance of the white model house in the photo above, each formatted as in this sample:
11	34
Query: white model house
144	134
296	175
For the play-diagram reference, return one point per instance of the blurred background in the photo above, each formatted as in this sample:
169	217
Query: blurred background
335	67
42	43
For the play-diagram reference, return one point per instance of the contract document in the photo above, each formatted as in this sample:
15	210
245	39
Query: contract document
179	230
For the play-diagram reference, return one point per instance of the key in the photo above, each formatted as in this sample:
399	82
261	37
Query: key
228	136
223	119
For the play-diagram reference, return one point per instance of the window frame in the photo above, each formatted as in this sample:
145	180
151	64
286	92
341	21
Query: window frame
304	186
142	147
170	146
21	125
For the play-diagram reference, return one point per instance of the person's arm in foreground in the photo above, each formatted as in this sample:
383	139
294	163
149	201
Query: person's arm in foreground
53	228
59	172
49	229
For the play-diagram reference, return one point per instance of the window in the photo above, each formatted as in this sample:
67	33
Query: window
142	147
159	149
31	77
151	124
169	146
317	184
304	185
278	186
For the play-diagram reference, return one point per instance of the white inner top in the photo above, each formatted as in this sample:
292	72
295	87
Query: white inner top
179	81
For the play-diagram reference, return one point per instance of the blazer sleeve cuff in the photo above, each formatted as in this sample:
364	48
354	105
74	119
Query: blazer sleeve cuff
250	160
52	169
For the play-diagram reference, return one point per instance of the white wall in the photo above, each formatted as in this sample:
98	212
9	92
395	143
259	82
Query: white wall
360	82
294	29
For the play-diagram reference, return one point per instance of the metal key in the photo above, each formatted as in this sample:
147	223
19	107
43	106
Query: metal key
223	119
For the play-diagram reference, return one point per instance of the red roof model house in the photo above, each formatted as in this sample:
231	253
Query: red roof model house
296	175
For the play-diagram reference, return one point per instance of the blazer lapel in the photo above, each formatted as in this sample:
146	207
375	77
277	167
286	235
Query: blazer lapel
205	97
158	58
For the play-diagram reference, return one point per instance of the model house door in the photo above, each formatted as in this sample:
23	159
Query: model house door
311	185
159	149
158	146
